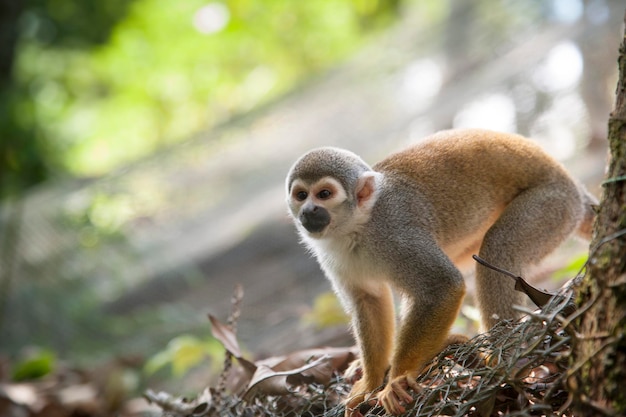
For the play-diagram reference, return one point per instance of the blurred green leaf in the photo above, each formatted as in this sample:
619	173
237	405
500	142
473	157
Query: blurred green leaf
327	311
183	353
37	364
570	270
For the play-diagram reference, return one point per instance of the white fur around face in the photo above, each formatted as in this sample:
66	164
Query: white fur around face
346	219
337	250
338	194
337	246
333	203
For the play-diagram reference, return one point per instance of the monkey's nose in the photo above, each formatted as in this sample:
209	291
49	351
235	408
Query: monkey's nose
314	219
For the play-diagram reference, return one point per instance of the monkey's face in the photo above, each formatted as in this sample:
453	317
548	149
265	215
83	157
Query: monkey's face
317	206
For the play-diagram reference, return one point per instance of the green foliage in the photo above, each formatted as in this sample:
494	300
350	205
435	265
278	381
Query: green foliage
572	269
28	154
21	149
99	84
326	311
183	353
36	364
71	23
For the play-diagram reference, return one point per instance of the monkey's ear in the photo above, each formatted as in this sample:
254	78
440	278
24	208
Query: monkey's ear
366	189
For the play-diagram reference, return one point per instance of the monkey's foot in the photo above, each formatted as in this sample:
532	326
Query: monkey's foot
354	372
359	395
353	405
395	396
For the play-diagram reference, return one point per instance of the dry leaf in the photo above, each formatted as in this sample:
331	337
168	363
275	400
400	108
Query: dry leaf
227	338
339	358
538	374
270	382
225	335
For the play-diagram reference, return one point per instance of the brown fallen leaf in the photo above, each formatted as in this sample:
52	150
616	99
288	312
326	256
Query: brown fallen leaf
538	374
276	375
225	335
227	338
339	358
270	382
180	405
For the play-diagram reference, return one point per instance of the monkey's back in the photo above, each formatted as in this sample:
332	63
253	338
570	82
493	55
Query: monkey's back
464	174
449	157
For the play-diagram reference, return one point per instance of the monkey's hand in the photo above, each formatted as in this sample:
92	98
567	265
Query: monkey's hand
396	395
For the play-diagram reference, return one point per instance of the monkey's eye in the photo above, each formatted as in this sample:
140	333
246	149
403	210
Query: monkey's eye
301	195
324	194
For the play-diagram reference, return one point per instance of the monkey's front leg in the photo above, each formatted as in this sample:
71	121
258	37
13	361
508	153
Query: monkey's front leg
422	335
373	323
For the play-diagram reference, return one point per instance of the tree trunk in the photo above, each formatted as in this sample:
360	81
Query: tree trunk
598	373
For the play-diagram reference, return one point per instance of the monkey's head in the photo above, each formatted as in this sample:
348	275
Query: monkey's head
330	192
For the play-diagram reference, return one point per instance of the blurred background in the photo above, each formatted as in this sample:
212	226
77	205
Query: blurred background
144	144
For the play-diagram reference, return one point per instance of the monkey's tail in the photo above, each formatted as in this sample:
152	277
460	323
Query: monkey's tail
590	204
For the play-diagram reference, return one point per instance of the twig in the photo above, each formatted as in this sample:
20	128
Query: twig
607	239
495	268
614	179
235	313
167	402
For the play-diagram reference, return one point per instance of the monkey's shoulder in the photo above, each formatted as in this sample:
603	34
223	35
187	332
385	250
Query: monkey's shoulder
471	158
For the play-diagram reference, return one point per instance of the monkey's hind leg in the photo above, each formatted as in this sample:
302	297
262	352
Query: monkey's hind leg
529	229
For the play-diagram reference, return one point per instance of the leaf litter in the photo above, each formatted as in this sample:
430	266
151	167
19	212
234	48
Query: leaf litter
516	369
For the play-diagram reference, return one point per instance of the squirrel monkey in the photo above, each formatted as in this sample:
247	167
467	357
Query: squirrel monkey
411	223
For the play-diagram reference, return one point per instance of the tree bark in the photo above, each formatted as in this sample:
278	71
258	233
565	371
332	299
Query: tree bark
598	372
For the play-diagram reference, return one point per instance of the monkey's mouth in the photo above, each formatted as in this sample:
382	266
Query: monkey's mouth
314	228
315	221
